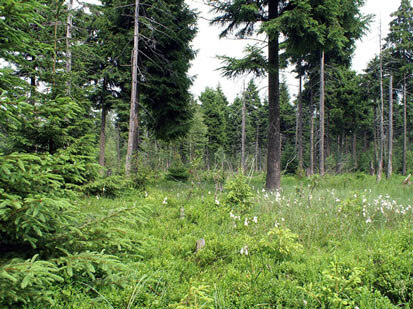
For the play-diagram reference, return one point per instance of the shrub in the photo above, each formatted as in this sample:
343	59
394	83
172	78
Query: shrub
111	186
177	173
238	194
36	214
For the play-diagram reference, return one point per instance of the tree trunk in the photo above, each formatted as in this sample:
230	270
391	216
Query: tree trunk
375	136
381	145
311	132
404	169
102	134
118	147
322	113
273	180
390	139
68	47
328	134
257	147
133	116
300	127
355	149
243	133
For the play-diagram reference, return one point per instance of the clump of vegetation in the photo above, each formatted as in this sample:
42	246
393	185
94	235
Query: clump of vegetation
178	172
112	186
238	194
46	235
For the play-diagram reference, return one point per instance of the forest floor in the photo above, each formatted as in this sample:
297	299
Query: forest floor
335	242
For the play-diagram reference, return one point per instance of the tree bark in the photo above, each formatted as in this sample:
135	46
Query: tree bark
300	127
404	169
311	132
375	129
322	113
257	147
243	133
68	47
118	147
390	139
355	149
328	140
273	180
102	130
381	144
133	116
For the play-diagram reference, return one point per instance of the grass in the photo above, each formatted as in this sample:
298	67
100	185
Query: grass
335	242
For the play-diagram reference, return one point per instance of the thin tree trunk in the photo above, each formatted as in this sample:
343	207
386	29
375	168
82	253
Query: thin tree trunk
381	145
322	113
68	47
355	149
133	116
390	139
404	169
300	127
257	147
55	43
311	132
118	147
273	180
243	133
375	136
102	128
328	142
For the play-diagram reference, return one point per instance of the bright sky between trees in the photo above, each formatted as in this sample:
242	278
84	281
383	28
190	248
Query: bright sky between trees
205	66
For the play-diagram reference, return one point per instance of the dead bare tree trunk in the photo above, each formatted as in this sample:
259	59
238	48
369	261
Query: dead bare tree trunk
390	141
133	115
311	132
321	159
257	147
68	47
300	127
381	145
243	133
118	147
355	148
102	130
404	169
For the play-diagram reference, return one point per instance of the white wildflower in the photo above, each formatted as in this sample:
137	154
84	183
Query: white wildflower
165	200
255	219
216	201
244	250
246	222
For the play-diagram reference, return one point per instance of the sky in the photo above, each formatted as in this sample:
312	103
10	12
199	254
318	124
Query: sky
208	46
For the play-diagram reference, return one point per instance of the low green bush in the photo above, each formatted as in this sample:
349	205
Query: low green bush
238	194
178	173
111	186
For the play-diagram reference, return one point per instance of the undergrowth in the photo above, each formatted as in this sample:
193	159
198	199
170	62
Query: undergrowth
332	242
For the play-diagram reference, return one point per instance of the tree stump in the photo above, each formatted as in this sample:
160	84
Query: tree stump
200	243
